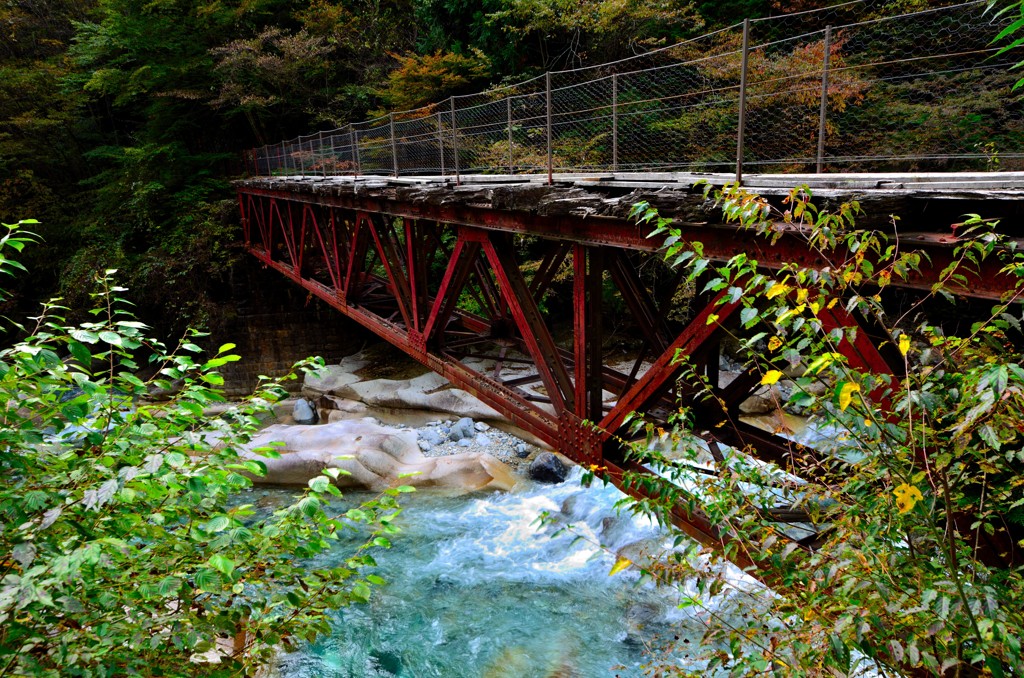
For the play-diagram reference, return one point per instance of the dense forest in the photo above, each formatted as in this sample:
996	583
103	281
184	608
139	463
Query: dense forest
121	121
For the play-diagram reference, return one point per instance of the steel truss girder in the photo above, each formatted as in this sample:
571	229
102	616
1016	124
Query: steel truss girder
384	270
721	242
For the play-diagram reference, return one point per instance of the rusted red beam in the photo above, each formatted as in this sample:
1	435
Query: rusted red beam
588	335
697	333
528	319
387	250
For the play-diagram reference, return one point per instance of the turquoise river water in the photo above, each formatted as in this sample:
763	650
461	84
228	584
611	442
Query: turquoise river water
478	590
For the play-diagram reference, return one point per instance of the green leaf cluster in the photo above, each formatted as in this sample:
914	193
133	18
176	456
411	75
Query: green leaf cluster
126	542
892	535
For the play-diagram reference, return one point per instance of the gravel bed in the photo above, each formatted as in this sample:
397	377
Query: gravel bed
444	437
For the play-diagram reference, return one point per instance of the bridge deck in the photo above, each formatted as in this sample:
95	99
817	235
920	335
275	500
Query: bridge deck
1001	185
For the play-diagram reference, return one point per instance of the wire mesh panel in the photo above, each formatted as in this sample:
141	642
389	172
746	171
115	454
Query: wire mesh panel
680	116
482	136
581	126
783	100
373	146
844	87
939	104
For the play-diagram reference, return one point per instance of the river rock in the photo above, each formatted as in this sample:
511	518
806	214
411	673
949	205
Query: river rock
328	380
463	428
375	456
431	436
548	468
482	440
482	426
765	399
522	451
304	413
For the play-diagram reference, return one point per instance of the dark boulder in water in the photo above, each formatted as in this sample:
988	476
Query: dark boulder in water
547	468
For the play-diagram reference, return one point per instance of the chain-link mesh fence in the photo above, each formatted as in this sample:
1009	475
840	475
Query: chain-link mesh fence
846	88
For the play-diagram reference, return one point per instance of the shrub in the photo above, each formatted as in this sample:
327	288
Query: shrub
902	548
125	543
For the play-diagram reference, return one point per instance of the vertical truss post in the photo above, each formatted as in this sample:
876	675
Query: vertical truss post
394	145
615	122
508	102
440	141
741	126
823	114
355	151
588	268
547	89
455	144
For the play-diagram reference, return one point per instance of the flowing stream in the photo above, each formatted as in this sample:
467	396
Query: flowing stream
477	590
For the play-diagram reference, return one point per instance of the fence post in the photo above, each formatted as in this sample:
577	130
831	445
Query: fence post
824	101
615	122
440	141
355	151
334	154
455	143
323	158
511	167
547	87
743	102
394	146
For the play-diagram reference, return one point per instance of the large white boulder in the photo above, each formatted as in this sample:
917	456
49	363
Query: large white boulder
427	391
374	457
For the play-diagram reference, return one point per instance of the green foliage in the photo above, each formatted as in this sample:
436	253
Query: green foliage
126	545
595	30
1011	36
912	479
421	80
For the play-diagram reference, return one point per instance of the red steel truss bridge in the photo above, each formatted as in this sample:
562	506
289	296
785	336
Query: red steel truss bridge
473	281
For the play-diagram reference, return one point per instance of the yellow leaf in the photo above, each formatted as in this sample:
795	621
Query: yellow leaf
774	343
906	497
904	344
620	565
775	290
712	318
846	392
801	295
770	377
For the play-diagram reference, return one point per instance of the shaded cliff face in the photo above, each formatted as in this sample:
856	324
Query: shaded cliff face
275	323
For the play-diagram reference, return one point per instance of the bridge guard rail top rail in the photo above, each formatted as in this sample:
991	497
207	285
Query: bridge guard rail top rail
841	89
